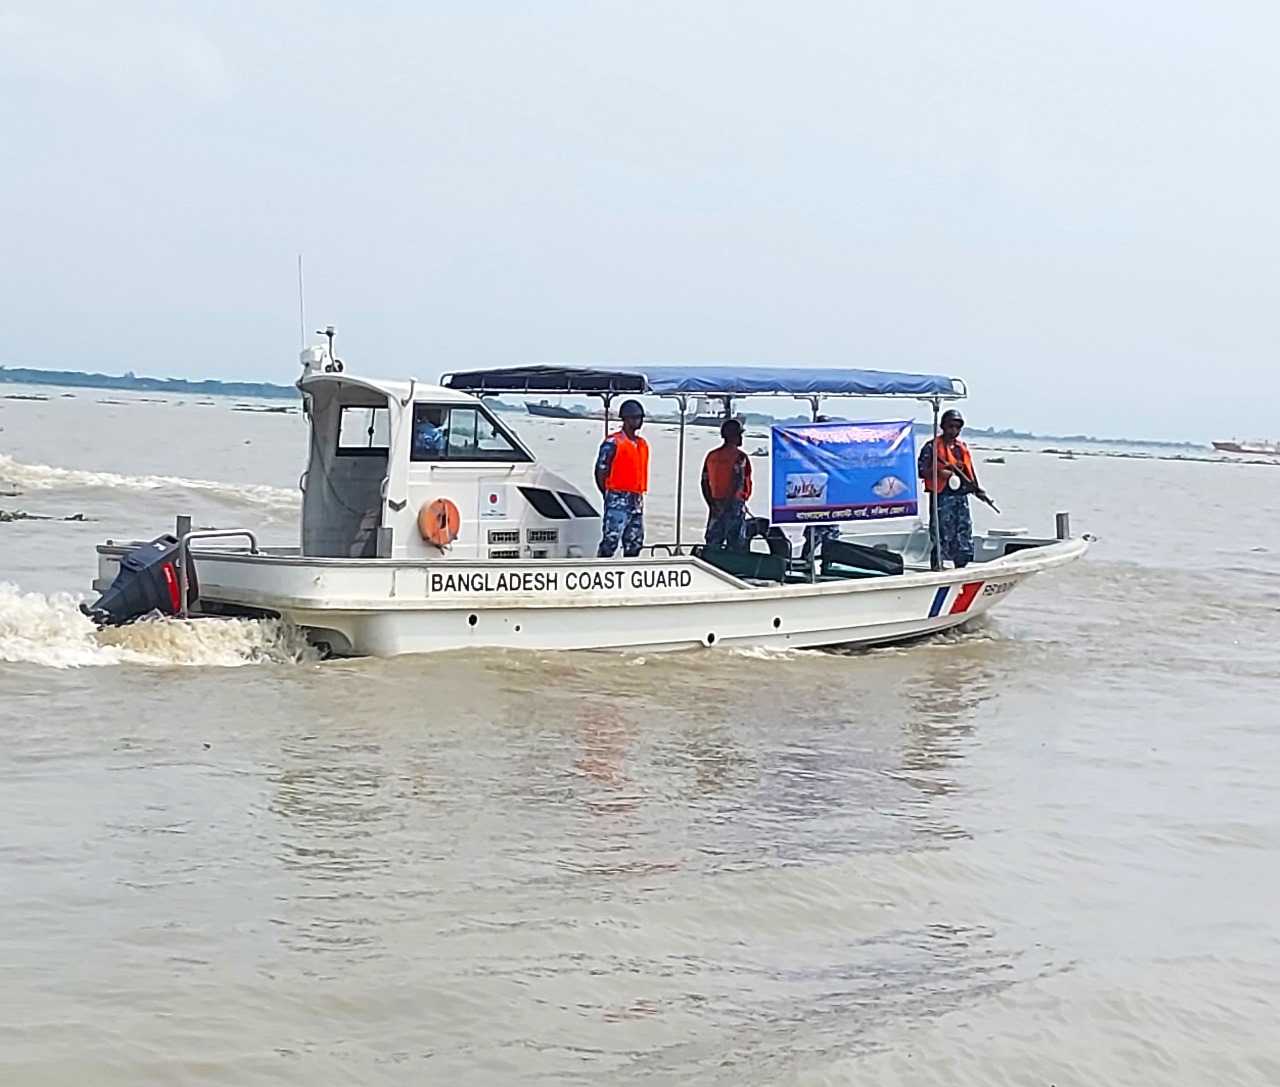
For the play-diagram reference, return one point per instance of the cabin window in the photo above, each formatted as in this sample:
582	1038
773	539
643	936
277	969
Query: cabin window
363	432
545	503
578	505
459	432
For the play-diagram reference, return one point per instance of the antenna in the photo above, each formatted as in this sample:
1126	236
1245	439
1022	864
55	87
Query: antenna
302	308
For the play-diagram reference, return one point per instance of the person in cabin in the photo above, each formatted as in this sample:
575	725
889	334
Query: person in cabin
428	435
947	471
622	475
726	486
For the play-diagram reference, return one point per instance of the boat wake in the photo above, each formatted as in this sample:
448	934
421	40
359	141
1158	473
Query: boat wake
51	631
33	477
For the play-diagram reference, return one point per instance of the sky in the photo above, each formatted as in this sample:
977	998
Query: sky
1070	205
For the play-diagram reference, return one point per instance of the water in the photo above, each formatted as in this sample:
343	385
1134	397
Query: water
1042	851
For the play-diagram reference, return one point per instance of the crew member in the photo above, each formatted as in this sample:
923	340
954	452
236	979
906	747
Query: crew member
726	486
622	474
948	473
428	435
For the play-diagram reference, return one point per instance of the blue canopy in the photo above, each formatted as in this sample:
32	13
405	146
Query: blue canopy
706	381
801	381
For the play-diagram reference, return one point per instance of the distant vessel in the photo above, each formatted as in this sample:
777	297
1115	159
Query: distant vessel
548	410
1266	449
703	415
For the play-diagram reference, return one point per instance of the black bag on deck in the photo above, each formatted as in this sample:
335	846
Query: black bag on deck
857	557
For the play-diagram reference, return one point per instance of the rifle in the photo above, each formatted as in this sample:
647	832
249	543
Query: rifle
964	478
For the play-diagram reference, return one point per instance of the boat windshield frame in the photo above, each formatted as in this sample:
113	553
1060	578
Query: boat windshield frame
521	453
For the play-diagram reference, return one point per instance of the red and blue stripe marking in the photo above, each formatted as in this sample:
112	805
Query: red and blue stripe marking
959	597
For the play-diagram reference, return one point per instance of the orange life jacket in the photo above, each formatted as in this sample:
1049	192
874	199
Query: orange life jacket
721	466
949	457
630	468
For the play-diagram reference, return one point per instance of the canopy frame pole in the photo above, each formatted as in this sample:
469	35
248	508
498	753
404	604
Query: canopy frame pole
809	542
935	530
683	402
608	399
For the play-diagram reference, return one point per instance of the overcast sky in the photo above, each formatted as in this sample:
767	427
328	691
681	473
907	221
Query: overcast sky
1075	206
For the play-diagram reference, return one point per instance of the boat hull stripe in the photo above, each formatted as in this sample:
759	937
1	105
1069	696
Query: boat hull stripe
965	597
939	598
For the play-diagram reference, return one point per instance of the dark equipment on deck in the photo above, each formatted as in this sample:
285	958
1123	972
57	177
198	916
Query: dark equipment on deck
843	555
148	582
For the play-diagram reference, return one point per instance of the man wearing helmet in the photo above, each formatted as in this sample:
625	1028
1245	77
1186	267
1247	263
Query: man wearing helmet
726	486
622	475
947	471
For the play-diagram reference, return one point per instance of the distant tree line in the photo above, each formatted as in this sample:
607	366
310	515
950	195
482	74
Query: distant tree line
129	380
263	389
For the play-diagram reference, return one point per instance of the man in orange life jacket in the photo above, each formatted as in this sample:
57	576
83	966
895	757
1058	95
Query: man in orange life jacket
951	477
622	474
726	486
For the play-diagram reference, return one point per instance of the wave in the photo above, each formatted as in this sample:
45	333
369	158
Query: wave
52	631
49	477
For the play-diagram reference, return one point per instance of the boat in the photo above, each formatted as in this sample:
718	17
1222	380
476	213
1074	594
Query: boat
547	410
471	542
1266	449
701	414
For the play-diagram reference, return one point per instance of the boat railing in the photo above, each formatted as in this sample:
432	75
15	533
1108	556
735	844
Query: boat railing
185	535
670	550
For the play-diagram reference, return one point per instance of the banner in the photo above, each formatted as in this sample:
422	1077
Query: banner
826	473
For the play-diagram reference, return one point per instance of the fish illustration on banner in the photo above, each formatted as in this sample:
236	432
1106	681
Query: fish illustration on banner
827	473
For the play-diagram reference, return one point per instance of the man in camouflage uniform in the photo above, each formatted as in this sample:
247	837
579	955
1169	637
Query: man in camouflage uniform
947	472
726	486
622	475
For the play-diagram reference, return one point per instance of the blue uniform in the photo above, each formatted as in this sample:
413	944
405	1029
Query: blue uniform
623	519
428	439
727	526
726	486
955	529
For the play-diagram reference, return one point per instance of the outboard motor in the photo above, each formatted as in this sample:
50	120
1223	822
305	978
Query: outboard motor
147	582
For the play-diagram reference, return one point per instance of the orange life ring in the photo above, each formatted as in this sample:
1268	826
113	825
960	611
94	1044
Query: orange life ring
438	522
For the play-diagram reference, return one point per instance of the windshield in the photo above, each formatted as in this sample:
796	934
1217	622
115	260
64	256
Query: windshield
459	432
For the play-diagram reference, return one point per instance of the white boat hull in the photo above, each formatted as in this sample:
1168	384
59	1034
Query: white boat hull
386	608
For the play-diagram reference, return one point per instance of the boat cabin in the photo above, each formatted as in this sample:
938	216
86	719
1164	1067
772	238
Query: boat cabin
404	470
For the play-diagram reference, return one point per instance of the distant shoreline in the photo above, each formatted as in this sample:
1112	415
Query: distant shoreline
78	379
1086	439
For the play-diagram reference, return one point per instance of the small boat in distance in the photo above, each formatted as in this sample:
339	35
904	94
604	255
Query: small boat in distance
1266	449
547	410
